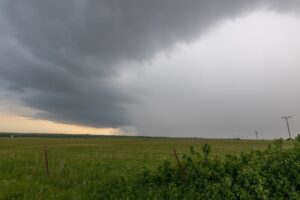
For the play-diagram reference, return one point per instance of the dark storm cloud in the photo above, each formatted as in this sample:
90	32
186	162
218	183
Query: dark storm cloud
62	56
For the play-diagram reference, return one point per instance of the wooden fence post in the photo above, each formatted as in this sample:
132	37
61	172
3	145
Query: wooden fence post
46	160
183	175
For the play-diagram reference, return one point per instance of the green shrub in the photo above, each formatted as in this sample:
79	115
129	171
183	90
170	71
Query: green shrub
270	174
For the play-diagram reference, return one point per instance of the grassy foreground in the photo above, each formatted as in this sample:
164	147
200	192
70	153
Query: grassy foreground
78	166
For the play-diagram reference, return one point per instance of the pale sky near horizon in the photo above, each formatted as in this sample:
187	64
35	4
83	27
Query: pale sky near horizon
19	124
199	69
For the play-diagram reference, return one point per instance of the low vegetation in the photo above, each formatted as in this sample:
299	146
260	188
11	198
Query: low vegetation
149	168
270	174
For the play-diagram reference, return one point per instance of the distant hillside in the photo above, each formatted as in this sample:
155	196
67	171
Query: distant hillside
50	135
64	135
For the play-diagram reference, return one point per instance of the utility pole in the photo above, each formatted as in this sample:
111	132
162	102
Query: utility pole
256	134
287	124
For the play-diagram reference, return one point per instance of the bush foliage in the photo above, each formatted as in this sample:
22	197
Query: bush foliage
273	173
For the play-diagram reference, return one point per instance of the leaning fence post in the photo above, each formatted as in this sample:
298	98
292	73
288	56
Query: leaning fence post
183	175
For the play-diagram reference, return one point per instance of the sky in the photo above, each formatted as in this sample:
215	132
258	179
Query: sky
194	68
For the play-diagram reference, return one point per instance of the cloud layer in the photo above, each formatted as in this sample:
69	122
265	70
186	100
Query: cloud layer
64	58
240	78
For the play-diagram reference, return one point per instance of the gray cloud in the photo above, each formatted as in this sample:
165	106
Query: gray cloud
62	58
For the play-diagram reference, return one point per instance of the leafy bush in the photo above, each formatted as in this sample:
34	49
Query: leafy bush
270	174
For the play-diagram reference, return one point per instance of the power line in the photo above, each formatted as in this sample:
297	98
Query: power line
287	124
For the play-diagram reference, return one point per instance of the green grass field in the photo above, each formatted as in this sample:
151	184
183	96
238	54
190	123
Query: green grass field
78	166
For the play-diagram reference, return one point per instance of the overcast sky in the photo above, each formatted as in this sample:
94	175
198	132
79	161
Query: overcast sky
200	68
